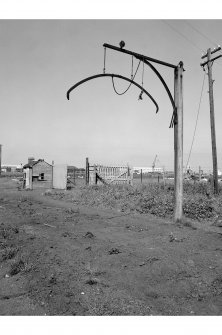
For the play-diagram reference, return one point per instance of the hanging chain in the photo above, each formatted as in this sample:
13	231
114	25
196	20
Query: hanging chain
141	93
104	66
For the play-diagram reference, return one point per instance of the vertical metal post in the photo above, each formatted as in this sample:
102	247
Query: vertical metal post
212	122
178	143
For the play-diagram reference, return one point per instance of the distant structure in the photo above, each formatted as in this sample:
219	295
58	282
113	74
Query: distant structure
11	168
148	169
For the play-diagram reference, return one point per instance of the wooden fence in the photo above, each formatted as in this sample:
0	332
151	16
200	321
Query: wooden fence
100	174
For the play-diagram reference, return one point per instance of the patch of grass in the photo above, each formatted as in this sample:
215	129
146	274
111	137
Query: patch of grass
7	232
9	253
17	267
199	201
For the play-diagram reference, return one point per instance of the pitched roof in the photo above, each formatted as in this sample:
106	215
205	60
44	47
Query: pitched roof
30	165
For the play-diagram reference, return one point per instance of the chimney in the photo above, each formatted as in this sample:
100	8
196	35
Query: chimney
31	160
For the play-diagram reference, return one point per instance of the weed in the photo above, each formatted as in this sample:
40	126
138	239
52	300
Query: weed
9	253
17	267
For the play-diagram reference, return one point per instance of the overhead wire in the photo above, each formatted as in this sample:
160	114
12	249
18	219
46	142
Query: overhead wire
200	32
201	94
190	41
184	36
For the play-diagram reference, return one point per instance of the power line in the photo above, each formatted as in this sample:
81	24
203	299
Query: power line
178	32
184	36
201	33
196	120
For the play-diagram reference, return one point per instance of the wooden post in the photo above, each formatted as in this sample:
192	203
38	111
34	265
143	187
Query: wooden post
87	171
94	175
164	181
52	172
212	122
178	143
141	176
74	176
30	179
0	160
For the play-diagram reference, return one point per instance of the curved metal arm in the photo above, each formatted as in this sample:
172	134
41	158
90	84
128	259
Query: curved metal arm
166	88
116	76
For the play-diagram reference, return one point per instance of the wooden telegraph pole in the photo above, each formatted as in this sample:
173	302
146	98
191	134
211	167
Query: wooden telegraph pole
209	64
178	142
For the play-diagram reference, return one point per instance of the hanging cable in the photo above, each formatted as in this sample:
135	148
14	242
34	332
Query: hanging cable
184	36
104	66
200	32
129	84
196	120
132	69
141	93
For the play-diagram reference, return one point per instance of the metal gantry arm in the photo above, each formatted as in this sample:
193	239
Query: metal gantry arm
116	76
147	60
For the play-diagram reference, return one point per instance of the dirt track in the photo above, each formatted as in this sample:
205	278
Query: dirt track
57	258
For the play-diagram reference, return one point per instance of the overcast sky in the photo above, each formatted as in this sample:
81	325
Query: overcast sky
42	59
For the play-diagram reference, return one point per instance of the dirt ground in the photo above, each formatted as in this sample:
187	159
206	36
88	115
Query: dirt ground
58	258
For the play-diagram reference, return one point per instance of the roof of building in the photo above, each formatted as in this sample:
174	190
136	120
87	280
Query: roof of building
32	163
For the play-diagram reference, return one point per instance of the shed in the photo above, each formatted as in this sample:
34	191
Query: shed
38	174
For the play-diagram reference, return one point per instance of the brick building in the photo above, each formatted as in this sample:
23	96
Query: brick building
40	173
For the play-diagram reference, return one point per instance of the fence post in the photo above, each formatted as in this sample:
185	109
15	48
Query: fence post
164	182
94	175
52	172
87	171
74	176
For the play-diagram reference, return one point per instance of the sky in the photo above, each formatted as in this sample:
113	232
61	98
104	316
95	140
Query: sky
42	59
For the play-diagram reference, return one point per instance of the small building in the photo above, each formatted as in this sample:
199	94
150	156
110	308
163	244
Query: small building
37	174
148	169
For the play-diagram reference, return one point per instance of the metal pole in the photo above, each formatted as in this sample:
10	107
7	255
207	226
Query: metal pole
178	143
212	122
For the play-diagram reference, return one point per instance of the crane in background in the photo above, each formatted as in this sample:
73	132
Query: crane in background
154	163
